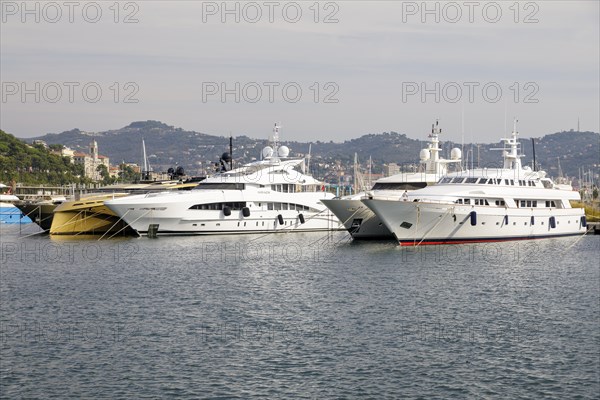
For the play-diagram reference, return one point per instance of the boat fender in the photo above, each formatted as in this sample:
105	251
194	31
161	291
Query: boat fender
454	217
226	211
552	222
473	215
583	221
246	212
532	220
280	219
301	218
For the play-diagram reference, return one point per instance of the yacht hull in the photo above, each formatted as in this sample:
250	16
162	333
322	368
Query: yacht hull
173	215
10	214
87	217
41	214
419	223
358	219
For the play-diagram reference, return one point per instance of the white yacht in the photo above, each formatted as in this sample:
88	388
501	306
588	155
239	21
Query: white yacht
483	205
361	222
268	195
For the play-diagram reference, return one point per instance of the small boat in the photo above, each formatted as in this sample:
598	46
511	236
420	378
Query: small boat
9	212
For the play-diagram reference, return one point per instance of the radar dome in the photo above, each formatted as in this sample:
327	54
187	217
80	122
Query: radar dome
424	155
283	151
455	154
267	152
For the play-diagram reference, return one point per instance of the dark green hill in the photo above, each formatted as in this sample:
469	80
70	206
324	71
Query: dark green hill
20	162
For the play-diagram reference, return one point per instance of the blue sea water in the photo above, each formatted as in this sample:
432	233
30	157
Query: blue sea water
297	316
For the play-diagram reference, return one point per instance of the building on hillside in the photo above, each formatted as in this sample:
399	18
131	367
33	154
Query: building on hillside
91	162
65	152
391	169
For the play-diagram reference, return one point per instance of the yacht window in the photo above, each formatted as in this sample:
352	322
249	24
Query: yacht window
218	206
486	202
457	180
506	182
446	180
467	201
476	202
269	206
512	182
221	186
498	181
528	203
483	181
534	203
277	206
459	201
497	202
552	203
471	180
284	206
400	185
523	203
490	181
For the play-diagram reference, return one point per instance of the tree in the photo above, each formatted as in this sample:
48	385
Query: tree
56	147
106	178
127	174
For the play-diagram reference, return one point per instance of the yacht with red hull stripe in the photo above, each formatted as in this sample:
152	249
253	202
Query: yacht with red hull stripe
483	205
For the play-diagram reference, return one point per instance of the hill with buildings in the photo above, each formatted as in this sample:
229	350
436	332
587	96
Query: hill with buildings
32	164
168	146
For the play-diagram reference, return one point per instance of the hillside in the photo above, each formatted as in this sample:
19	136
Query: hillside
196	152
34	164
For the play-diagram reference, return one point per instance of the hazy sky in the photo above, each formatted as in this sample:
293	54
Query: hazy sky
362	67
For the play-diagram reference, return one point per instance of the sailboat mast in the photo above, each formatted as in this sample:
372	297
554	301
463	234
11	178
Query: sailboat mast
533	150
144	160
230	152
